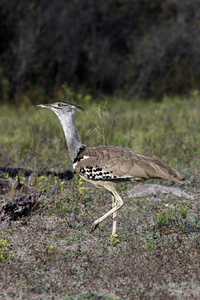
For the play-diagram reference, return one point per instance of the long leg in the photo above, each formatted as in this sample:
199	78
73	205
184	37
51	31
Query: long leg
118	201
114	216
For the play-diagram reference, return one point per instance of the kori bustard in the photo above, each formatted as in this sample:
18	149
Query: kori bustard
106	165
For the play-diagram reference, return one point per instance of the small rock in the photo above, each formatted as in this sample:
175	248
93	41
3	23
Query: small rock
157	190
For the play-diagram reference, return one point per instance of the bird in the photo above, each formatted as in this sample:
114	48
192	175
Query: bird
105	166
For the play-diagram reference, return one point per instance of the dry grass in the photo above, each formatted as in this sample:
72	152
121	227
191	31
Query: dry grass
157	252
56	256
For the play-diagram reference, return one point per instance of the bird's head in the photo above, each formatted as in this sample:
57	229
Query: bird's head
61	108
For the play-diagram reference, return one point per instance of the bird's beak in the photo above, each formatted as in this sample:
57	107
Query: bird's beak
45	106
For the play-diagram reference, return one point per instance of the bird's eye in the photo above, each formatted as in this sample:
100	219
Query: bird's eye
60	105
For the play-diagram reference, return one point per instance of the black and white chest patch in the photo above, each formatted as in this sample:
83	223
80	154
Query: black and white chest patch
96	173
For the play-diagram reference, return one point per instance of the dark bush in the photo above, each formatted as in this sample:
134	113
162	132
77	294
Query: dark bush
146	48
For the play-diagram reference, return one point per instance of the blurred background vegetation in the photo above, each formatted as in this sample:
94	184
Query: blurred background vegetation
143	48
111	58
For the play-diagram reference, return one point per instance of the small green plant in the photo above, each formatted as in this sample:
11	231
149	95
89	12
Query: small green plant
48	252
20	179
149	242
62	186
69	239
79	192
77	195
83	191
183	209
172	218
113	240
6	176
5	254
62	207
43	183
162	219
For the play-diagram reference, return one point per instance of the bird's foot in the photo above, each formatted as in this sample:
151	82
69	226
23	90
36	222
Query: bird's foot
93	227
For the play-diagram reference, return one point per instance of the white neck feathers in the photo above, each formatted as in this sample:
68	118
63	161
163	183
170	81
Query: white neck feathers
73	139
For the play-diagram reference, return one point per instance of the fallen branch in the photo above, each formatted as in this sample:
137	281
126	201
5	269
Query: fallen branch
13	172
8	184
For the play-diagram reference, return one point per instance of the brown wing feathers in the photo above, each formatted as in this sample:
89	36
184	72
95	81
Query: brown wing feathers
118	163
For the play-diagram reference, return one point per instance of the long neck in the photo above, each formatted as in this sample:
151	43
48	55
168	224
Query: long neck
73	139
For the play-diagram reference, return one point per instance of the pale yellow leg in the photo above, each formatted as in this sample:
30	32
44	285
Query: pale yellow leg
118	204
114	217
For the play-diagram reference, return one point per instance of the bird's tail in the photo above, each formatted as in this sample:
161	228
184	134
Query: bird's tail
184	181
